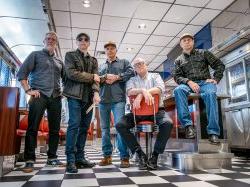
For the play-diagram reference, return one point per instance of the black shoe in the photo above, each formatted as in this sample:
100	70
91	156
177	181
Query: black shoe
214	139
55	163
152	163
84	164
143	160
29	167
71	168
190	132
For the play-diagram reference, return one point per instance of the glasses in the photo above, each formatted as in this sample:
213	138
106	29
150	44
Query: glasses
139	64
83	39
49	38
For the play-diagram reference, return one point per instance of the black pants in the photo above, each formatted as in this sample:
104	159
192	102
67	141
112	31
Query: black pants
37	107
163	121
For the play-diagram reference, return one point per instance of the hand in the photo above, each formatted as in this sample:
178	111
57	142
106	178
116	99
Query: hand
148	97
96	98
211	81
137	101
35	93
96	78
111	78
194	86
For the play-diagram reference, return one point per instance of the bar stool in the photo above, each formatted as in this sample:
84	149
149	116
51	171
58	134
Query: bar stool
146	126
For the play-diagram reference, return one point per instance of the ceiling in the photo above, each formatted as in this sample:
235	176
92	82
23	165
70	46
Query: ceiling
118	20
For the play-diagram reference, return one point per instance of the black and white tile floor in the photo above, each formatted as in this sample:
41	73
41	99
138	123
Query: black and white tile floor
43	176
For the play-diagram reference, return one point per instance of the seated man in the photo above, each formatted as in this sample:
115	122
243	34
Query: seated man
192	74
144	85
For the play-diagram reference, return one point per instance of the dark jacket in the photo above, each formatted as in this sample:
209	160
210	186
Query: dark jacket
79	82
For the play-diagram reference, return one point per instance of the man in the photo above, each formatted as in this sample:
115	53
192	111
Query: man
114	74
192	74
81	89
145	85
40	78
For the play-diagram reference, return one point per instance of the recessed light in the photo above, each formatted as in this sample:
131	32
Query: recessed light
130	48
142	26
86	3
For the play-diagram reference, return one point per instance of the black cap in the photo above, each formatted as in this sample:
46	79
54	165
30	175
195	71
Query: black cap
82	34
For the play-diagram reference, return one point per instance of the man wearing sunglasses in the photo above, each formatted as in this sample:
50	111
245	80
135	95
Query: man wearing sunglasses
81	89
40	76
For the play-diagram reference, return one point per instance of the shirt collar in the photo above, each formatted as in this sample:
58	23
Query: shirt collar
191	53
145	77
80	52
47	52
112	61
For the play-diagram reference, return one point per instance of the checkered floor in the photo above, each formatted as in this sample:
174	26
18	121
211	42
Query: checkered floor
238	176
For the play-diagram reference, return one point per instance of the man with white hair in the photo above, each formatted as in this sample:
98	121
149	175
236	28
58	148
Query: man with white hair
40	76
145	85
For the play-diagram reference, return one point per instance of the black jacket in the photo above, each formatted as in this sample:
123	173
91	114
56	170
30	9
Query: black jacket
79	80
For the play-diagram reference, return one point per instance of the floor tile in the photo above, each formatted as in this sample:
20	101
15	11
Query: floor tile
46	177
229	183
12	184
79	176
105	170
148	180
235	175
157	185
115	181
166	173
79	182
43	183
20	173
15	178
244	180
47	172
208	177
179	178
194	184
138	173
110	175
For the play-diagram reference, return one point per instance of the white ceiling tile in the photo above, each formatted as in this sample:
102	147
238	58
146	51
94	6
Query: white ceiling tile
153	65
192	29
147	58
151	10
132	38
174	42
65	43
61	18
92	33
63	32
205	16
150	26
64	51
165	51
91	52
239	6
150	50
221	4
114	23
95	6
59	5
85	20
158	40
196	3
160	59
240	22
127	56
168	29
105	36
100	46
165	1
225	18
120	8
124	48
181	14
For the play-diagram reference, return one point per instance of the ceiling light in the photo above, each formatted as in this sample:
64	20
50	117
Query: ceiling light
86	3
130	48
142	26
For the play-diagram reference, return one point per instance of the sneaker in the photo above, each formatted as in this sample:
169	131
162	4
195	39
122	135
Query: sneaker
214	139
190	132
107	160
124	163
71	168
152	163
29	167
84	164
55	163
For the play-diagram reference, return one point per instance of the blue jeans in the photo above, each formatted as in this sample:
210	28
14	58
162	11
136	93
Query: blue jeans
208	94
118	110
77	130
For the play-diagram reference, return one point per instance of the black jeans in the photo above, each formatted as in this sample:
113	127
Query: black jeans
37	107
163	121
